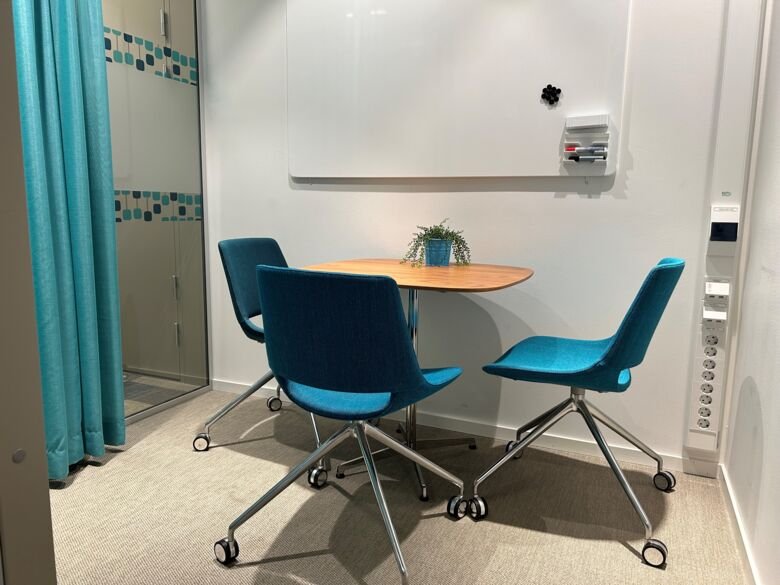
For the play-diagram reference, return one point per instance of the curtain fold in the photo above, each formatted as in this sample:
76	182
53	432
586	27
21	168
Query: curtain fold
63	100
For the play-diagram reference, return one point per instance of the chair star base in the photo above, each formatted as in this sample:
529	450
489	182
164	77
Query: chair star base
419	445
654	552
237	401
226	550
202	440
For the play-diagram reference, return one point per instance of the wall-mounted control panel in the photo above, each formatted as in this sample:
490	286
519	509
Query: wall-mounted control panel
585	149
724	223
709	367
724	230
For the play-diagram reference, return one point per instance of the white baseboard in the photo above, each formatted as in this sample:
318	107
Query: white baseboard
238	388
548	440
739	529
492	431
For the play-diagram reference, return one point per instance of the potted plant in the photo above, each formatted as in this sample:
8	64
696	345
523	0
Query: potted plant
433	245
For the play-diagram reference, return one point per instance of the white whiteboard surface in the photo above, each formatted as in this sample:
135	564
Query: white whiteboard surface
447	88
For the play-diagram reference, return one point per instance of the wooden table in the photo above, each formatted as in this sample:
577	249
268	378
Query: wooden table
453	278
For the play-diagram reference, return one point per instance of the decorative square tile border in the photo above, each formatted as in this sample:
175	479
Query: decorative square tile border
132	205
147	56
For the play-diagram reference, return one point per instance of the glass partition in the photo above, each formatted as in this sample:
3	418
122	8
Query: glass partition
152	66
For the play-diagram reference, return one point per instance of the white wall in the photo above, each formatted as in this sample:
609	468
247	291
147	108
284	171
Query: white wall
752	464
591	245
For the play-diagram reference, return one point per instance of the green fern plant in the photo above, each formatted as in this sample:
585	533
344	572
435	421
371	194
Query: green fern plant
416	252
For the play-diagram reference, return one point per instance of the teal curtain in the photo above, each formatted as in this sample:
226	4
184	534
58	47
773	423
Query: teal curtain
63	99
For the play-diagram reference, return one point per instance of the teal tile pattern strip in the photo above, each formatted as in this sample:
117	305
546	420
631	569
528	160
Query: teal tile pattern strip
145	56
138	205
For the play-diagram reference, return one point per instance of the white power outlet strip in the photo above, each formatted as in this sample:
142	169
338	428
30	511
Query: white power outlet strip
709	370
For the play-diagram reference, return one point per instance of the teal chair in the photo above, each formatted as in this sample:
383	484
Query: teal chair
240	257
603	366
339	346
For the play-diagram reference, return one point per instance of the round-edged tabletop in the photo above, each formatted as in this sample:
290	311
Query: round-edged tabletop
452	278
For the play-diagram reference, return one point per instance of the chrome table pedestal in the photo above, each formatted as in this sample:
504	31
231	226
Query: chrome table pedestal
409	428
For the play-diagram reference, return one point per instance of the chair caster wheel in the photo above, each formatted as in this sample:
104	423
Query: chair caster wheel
225	551
318	477
201	442
274	403
424	494
511	445
340	475
664	481
457	507
473	446
477	508
654	553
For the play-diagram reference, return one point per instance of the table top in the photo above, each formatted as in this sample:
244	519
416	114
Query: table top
453	278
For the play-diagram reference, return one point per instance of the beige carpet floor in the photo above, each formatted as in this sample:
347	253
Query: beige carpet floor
151	513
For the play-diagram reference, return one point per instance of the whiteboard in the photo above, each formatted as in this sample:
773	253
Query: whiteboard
447	88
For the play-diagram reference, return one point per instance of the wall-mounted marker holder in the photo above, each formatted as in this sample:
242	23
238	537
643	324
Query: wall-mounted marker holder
585	147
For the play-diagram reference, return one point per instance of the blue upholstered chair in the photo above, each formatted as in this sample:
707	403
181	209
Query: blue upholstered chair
602	365
240	258
340	348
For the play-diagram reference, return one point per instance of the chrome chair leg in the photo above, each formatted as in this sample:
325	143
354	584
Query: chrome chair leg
610	423
365	449
419	445
325	462
414	456
555	415
234	403
202	440
582	408
532	424
326	447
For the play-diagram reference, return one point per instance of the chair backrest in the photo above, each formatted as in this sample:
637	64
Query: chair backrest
629	344
240	258
336	331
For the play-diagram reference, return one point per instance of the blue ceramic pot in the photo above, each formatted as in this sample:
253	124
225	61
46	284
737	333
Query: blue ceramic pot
437	252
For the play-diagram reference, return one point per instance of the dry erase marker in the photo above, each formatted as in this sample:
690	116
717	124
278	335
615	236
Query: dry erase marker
587	149
579	158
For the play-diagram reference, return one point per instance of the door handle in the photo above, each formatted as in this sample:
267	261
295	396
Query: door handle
163	23
177	333
175	282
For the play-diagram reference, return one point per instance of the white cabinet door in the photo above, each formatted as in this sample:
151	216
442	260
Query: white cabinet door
147	295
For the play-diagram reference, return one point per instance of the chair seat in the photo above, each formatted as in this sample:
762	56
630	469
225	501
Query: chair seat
365	405
562	361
